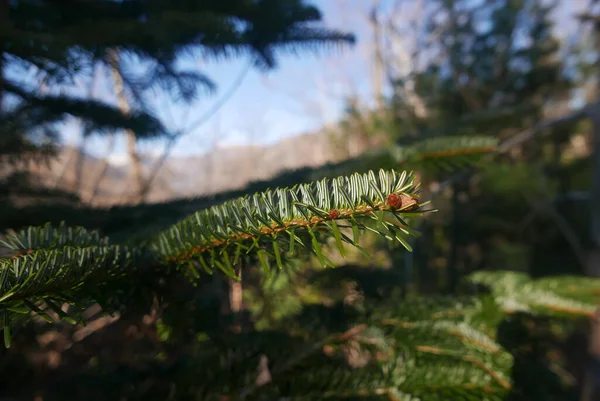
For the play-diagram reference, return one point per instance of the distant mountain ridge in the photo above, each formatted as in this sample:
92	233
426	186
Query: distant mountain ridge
223	169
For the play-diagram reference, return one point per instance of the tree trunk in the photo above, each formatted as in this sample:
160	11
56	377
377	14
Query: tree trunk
593	263
4	11
235	302
591	384
595	197
101	171
591	390
455	241
85	132
377	56
78	165
136	165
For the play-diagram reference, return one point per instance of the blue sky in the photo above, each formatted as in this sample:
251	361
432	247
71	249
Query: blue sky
302	94
305	92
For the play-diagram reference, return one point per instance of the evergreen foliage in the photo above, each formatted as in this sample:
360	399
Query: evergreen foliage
493	69
372	342
479	79
380	345
61	40
429	348
65	262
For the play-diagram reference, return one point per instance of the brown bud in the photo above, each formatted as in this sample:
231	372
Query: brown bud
334	214
394	201
401	201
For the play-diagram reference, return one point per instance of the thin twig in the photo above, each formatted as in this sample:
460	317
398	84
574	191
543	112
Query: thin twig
203	119
564	226
311	349
525	135
103	168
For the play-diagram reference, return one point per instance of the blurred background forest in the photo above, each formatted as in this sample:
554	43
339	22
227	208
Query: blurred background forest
519	76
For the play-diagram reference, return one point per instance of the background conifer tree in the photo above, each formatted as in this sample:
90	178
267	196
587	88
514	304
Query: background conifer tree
57	41
305	330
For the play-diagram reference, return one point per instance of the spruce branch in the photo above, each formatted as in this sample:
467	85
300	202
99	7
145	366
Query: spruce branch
68	264
446	153
564	296
47	237
48	272
271	222
431	154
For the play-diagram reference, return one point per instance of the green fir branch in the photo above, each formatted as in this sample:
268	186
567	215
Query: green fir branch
48	237
447	153
565	296
65	264
273	222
